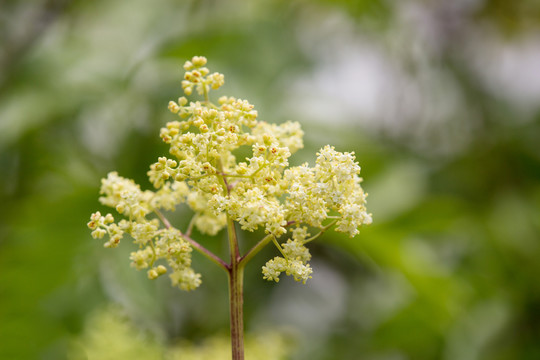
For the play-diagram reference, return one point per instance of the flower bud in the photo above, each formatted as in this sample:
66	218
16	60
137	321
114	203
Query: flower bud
98	233
109	219
198	61
188	65
173	107
121	208
152	274
95	216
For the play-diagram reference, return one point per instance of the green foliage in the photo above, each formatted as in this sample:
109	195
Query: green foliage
448	270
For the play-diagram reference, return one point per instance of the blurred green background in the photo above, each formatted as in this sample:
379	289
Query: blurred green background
439	99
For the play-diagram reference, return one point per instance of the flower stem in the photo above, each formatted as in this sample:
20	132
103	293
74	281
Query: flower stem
255	249
236	298
207	253
323	230
236	294
204	251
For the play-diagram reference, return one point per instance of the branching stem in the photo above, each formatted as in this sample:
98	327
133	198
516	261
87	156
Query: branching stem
207	253
255	249
204	251
323	230
190	226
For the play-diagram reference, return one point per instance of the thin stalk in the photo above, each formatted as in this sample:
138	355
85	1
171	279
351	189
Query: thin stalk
236	298
190	226
207	253
163	219
236	294
278	246
255	249
233	241
323	230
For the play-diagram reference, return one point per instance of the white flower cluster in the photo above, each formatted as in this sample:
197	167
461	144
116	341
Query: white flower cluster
332	185
259	191
155	243
102	225
294	261
199	77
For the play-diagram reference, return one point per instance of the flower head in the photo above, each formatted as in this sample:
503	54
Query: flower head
260	191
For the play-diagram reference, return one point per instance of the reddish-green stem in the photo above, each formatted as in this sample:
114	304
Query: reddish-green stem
236	294
201	249
236	299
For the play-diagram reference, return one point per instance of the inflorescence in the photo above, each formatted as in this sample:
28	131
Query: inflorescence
260	191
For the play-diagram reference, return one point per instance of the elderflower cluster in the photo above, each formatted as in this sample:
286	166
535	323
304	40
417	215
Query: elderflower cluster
259	191
332	185
294	261
155	243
